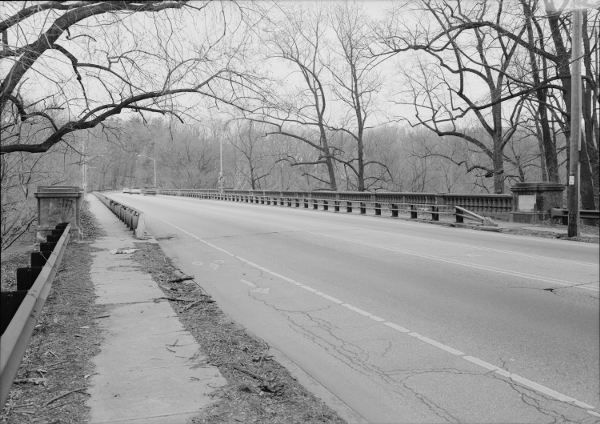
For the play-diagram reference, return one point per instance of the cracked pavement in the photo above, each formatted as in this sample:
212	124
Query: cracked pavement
526	306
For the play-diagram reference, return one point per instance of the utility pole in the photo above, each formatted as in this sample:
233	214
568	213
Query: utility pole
573	194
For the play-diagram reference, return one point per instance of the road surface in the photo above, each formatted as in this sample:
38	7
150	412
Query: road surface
398	321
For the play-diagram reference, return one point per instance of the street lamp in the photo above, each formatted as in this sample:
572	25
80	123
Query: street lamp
221	178
154	160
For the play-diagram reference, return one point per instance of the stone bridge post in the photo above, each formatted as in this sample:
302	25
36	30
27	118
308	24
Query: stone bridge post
532	201
57	204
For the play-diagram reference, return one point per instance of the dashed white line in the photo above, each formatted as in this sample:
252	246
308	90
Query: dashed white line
437	344
479	362
330	298
396	327
248	283
355	309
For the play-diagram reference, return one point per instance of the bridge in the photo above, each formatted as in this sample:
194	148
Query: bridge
392	318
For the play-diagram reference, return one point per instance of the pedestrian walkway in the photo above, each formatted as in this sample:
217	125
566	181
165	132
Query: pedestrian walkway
149	369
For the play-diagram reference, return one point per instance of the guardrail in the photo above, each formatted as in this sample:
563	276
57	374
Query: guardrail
563	215
21	308
413	204
130	216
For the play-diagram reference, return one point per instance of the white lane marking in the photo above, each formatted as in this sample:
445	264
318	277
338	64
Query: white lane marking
248	283
486	365
396	327
528	383
363	312
330	298
469	265
480	362
376	318
437	344
355	309
261	290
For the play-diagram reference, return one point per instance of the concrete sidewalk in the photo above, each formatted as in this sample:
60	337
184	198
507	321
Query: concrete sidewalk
149	369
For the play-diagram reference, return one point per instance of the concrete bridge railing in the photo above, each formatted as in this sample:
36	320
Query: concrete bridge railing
416	205
497	206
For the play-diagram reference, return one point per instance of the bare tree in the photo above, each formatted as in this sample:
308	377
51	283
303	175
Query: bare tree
551	82
301	114
462	66
356	83
258	165
94	60
20	173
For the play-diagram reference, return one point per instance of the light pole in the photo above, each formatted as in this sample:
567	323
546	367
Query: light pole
154	160
221	182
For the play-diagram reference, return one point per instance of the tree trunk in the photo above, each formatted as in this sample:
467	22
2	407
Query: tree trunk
498	171
547	146
586	183
361	164
327	154
564	72
591	132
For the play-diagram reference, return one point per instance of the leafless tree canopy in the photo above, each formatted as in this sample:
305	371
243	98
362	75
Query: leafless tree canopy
426	95
69	66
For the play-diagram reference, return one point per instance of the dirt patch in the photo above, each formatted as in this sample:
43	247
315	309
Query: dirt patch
50	386
11	260
259	389
589	234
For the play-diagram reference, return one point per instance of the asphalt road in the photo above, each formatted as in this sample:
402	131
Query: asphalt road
398	321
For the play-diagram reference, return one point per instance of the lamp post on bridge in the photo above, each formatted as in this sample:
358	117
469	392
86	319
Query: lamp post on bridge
221	178
154	160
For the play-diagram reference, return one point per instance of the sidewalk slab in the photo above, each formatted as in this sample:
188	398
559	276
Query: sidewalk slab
149	369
